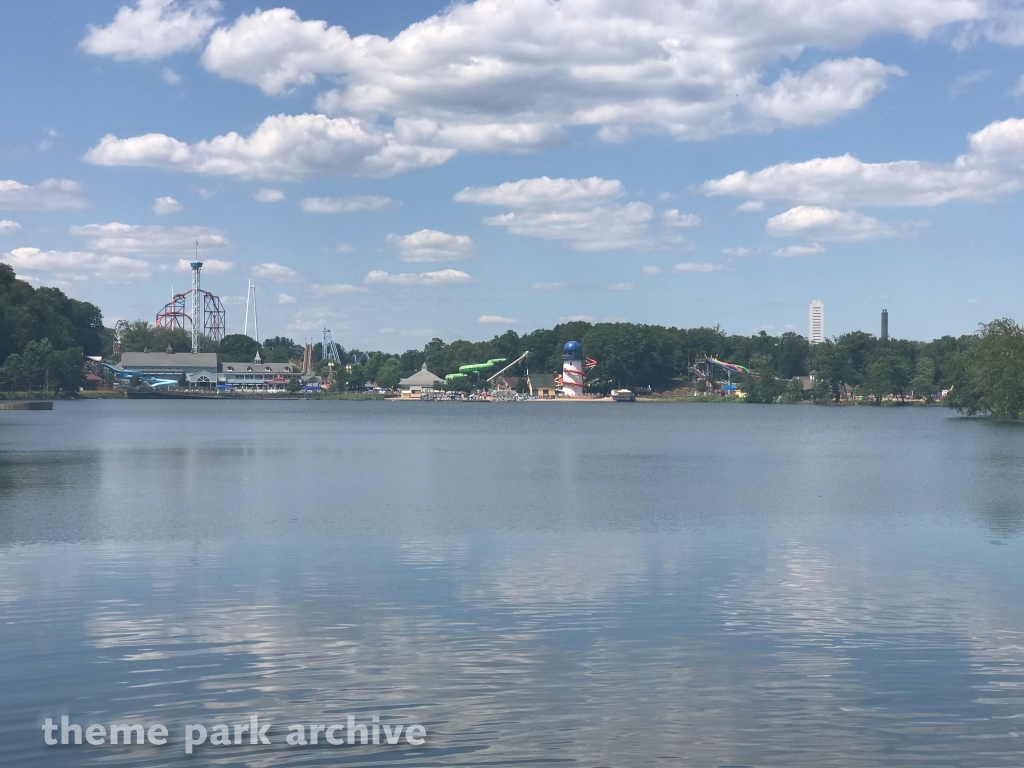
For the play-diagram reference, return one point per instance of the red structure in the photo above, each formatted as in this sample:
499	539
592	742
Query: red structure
173	315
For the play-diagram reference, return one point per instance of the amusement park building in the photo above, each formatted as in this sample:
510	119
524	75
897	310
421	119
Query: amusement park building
413	386
168	364
257	375
541	385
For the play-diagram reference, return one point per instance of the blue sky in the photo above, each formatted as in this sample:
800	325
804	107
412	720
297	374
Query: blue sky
402	170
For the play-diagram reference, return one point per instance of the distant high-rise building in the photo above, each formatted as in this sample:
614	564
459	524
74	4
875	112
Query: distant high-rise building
816	334
885	325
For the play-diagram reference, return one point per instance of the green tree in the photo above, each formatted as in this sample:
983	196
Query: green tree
923	382
66	375
834	369
237	348
389	373
293	385
887	374
990	378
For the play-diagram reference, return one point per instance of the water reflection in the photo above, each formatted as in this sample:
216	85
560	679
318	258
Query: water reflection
647	600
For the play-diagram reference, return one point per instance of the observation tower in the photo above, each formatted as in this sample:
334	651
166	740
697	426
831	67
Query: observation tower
573	371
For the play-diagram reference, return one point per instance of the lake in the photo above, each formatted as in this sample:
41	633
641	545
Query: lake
535	583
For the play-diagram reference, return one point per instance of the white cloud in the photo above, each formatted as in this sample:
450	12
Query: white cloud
963	83
281	147
580	212
993	166
78	265
166	205
621	287
271	270
546	286
1018	89
695	266
8	227
349	204
269	195
284	298
139	239
826	90
741	251
751	206
498	75
496	319
821	223
798	250
441	277
210	266
152	29
344	248
335	289
577	319
429	245
48	195
652	270
673	218
170	76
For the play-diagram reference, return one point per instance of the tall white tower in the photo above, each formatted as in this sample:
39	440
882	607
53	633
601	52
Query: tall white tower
251	291
197	307
816	333
572	369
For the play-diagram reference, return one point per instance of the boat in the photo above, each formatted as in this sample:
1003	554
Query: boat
623	395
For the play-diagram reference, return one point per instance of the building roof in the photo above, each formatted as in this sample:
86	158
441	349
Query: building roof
422	378
257	368
136	360
541	380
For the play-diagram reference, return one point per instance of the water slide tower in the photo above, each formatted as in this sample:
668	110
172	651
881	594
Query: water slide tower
573	371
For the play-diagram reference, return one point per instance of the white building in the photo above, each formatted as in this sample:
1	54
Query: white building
816	333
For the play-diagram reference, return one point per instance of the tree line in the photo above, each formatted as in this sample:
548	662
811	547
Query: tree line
43	336
983	373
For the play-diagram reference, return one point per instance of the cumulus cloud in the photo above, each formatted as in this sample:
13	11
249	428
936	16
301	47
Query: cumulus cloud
77	265
698	266
821	223
271	270
8	227
497	319
652	270
673	218
349	204
582	213
751	206
334	289
48	195
497	75
546	286
741	251
826	90
430	279
140	239
210	266
798	250
269	195
429	245
152	29
284	298
166	205
621	287
993	166
281	147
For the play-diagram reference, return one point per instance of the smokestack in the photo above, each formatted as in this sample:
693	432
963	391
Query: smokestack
885	325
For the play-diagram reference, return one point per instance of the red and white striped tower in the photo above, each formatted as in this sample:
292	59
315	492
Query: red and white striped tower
572	369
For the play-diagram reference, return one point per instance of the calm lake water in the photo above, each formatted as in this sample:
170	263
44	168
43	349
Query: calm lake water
535	583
